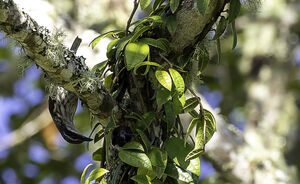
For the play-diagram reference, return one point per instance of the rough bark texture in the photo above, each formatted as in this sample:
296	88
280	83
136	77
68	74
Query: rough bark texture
59	63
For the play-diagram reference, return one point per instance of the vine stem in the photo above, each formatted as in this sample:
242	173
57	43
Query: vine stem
136	4
202	115
162	56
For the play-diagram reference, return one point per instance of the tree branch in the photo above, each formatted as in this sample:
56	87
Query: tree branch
60	64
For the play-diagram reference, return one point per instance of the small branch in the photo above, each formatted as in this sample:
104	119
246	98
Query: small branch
169	62
136	4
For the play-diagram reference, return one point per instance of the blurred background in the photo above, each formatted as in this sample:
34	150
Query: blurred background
255	87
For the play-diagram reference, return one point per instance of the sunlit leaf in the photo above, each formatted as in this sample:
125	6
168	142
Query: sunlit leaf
164	79
83	173
144	4
135	159
146	63
135	53
158	43
96	174
190	104
178	174
138	33
133	145
98	38
178	81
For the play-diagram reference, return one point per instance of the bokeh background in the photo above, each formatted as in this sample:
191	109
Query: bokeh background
255	87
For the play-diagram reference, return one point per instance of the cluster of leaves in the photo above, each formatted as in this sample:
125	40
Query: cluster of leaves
145	52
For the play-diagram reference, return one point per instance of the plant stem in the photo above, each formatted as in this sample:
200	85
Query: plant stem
136	4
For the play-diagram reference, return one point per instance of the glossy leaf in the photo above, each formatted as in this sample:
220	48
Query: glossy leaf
158	160
158	43
162	96
234	10
135	159
138	33
144	4
192	125
177	152
202	6
174	5
146	63
96	174
144	138
164	79
141	179
121	45
190	104
133	145
178	81
142	171
135	53
178	174
82	178
110	46
221	28
98	38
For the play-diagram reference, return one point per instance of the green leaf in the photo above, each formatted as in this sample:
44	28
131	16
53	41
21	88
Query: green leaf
135	159
174	5
162	96
234	10
178	174
158	43
108	81
142	171
159	160
138	33
219	50
141	179
135	53
202	6
171	23
83	174
195	153
144	138
133	145
121	45
221	28
146	63
190	104
234	35
194	166
164	79
97	155
170	115
98	38
178	81
200	141
156	181
192	125
110	46
154	18
144	4
178	103
96	174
